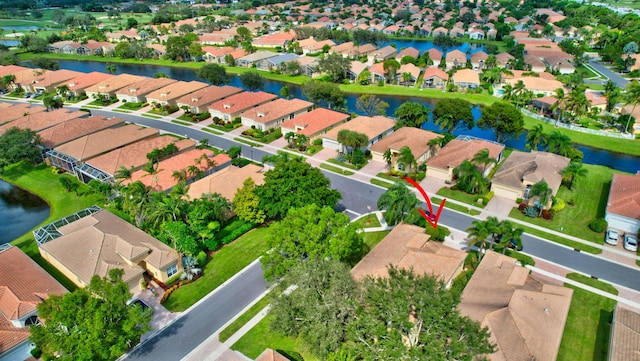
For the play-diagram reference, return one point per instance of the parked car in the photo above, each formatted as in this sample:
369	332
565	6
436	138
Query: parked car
27	95
630	243
612	237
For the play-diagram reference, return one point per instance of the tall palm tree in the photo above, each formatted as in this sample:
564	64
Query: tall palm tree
632	97
573	170
446	122
559	105
123	173
406	78
542	190
478	235
509	235
507	92
180	176
493	225
559	143
577	103
469	178
536	138
407	159
396	202
518	89
290	137
612	93
483	158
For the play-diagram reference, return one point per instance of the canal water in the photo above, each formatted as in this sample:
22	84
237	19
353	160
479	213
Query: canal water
20	211
623	162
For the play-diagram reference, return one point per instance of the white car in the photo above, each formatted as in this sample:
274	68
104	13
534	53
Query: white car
630	243
612	237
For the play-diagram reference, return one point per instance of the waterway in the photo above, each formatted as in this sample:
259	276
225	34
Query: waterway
623	162
20	211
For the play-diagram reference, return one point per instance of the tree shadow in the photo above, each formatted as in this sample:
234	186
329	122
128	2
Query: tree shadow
604	197
601	347
291	355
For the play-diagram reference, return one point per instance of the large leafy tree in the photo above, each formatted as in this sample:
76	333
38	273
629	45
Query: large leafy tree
294	184
397	201
469	178
411	114
318	92
246	204
214	73
371	105
310	232
504	119
19	144
252	80
92	323
450	114
335	65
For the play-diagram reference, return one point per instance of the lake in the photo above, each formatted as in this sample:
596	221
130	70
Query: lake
20	211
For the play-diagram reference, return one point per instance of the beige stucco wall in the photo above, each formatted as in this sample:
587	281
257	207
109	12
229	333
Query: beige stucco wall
502	190
161	274
440	173
60	267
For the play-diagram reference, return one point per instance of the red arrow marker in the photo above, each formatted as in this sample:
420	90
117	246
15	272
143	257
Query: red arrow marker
433	220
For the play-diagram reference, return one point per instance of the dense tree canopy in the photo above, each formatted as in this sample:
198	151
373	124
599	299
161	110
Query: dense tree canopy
252	80
319	92
504	119
19	144
450	114
411	114
335	65
92	323
213	73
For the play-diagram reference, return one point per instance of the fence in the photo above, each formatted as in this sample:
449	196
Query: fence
576	128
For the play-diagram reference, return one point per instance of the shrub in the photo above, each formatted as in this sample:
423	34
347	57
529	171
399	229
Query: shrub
212	243
548	215
530	211
237	232
201	258
237	120
522	206
598	225
518	200
341	158
437	234
317	141
558	205
240	162
36	353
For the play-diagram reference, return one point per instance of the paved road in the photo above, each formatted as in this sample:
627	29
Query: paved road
177	340
620	81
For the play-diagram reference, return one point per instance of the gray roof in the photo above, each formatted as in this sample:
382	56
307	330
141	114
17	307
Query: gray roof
283	58
257	56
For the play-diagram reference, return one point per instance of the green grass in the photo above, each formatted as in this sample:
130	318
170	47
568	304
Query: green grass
335	169
380	183
225	263
368	221
212	131
121	111
590	196
393	179
371	239
181	122
344	164
148	115
457	207
244	141
586	334
461	196
243	319
219	127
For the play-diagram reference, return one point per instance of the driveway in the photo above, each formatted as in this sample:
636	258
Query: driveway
620	81
500	205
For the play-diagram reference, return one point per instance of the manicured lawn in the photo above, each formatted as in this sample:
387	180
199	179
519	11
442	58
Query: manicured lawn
589	195
261	337
586	334
388	89
460	196
368	221
225	263
380	183
241	140
243	319
335	169
344	164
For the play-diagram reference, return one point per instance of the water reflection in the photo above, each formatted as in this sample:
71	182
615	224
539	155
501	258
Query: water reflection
20	211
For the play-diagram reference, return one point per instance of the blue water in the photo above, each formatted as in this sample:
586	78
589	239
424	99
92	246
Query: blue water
10	42
19	28
623	162
426	45
20	211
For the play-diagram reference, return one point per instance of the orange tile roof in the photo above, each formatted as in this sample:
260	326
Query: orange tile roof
624	196
226	182
55	77
42	120
466	76
176	90
241	102
86	80
208	95
372	127
458	150
435	72
75	128
314	122
276	109
533	167
625	335
14	111
114	84
415	139
11	69
271	355
144	87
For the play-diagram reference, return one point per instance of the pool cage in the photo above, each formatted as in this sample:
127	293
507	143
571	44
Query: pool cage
50	231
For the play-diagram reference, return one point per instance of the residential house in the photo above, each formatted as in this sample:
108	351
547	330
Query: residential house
134	155
24	78
435	78
378	74
458	150
388	52
456	32
92	47
271	114
440	31
360	51
216	55
215	38
355	69
410	69
476	34
138	91
11	69
271	355
342	49
314	123
624	340
274	40
198	101
410	51
596	99
522	170
233	106
391	30
415	139
15	111
312	46
79	84
435	55
559	64
525	317
109	87
158	50
226	182
478	59
122	35
23	285
503	60
456	59
623	205
276	62
248	61
408	247
375	128
75	128
169	94
308	65
534	63
195	163
538	85
38	121
70	155
466	78
99	242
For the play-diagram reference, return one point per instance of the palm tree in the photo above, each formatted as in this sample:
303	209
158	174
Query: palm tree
478	234
577	103
542	190
302	141
446	123
407	159
632	96
612	93
123	173
180	176
573	170
536	138
559	143
406	78
469	178
396	202
559	104
387	156
290	137
507	92
482	158
493	225
518	90
509	235
434	144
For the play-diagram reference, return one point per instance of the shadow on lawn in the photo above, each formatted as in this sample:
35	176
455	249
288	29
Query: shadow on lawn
602	337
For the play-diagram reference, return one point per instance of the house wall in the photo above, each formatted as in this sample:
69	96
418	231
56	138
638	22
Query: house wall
130	98
161	274
446	174
21	351
331	144
60	267
435	82
506	191
622	223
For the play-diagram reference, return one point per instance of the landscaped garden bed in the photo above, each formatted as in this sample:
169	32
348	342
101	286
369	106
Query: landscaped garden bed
194	117
266	137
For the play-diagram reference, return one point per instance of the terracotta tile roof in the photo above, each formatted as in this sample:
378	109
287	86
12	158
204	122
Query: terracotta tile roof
371	126
479	56
27	76
519	74
434	71
410	51
207	95
86	80
468	76
226	181
377	68
341	48
384	52
14	111
176	90
276	109
144	87
54	77
525	317
11	69
241	102
314	122
114	84
103	141
625	335
532	167
257	56
75	128
42	120
407	246
357	67
135	154
537	84
218	51
275	39
435	55
411	69
271	355
164	179
95	244
415	139
459	150
11	336
624	196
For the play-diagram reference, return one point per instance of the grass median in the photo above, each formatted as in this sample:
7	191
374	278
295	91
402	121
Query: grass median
243	319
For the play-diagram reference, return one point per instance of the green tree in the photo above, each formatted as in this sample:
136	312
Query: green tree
509	235
631	97
246	204
319	92
310	232
252	80
284	92
390	67
19	144
69	184
213	73
450	114
411	114
387	156
407	159
397	201
335	65
559	143
371	105
52	102
504	119
543	192
180	238
352	140
92	323
112	68
244	34
478	235
536	138
278	194
483	158
572	171
469	178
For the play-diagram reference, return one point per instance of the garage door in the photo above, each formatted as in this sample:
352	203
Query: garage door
505	192
623	223
330	144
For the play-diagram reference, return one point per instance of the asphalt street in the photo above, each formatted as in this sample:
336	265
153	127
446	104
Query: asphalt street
620	81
